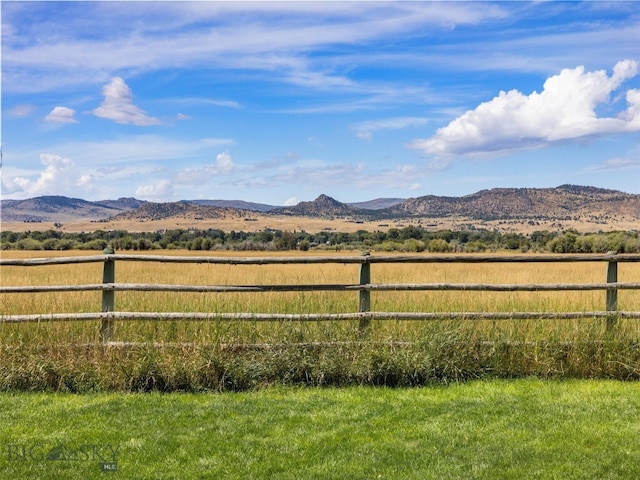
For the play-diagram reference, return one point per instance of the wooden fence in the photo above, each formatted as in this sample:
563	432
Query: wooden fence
108	315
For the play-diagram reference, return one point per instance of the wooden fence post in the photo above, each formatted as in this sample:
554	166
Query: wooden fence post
364	298
108	296
612	295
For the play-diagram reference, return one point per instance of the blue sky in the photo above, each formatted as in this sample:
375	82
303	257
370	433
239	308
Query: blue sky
280	102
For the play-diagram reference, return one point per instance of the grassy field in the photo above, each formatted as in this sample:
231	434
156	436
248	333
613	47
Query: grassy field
314	224
486	402
478	430
199	355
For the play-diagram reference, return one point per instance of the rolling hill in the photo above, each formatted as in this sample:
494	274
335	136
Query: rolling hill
238	204
557	203
151	211
574	203
62	209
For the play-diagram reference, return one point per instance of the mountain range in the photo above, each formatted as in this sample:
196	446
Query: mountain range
592	204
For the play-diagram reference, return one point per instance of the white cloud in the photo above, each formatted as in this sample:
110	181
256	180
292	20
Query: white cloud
323	176
118	105
564	110
364	130
632	114
200	175
20	111
364	135
158	190
85	180
290	202
50	180
203	101
224	163
61	115
618	164
200	34
8	187
141	149
115	163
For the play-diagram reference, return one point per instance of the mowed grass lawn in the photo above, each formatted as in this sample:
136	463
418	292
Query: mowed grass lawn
517	429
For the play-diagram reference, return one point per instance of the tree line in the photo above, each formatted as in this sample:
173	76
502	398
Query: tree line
407	239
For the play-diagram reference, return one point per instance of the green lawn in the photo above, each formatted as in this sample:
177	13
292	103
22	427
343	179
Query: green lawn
486	429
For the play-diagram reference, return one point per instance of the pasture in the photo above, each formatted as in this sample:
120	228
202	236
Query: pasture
216	354
494	407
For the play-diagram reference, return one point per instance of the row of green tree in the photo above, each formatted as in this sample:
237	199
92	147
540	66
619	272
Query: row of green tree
407	239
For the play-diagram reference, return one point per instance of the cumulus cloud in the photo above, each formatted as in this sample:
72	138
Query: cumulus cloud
224	164
364	130
50	180
291	202
61	115
118	105
200	175
157	190
632	114
85	180
564	110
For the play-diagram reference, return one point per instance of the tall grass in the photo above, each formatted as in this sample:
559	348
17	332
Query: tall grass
195	355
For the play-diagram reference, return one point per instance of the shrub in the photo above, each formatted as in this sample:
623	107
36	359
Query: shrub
29	244
413	245
96	244
439	245
304	245
50	244
475	246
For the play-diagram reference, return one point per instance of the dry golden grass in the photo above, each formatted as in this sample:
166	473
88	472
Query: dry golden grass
203	355
306	302
310	224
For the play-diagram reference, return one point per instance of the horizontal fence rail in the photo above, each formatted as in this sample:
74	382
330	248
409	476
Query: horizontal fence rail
364	287
395	287
315	317
358	259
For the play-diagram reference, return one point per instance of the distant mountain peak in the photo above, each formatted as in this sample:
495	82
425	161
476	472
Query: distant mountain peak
324	197
597	206
323	206
328	201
